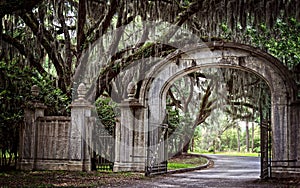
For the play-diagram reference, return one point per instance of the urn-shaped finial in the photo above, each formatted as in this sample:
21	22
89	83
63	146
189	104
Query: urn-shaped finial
35	90
131	89
81	90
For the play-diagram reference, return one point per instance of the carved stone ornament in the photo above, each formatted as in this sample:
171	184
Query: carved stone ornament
131	89
81	90
35	90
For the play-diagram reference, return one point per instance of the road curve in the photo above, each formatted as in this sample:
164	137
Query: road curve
227	171
226	167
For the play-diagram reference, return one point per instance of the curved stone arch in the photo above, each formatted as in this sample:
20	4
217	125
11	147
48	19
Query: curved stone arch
218	51
218	54
185	72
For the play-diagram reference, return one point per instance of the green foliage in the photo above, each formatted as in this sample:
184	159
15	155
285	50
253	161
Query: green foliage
233	153
107	112
229	140
256	140
175	129
56	101
282	41
15	85
174	119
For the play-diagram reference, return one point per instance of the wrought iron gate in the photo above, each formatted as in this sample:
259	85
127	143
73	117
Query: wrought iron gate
157	155
103	147
265	144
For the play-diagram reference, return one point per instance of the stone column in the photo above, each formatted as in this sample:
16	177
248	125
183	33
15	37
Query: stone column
130	149
80	133
28	133
286	140
294	130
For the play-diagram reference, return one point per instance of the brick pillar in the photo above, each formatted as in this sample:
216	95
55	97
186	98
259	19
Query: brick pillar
80	133
28	133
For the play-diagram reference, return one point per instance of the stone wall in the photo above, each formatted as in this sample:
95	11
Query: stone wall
46	146
56	142
43	140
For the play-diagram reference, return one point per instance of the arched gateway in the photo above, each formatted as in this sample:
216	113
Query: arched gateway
139	134
63	143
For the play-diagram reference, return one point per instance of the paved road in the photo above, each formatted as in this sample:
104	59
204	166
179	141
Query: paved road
233	172
232	167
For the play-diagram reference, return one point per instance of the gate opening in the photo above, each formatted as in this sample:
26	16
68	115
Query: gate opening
103	135
146	108
199	100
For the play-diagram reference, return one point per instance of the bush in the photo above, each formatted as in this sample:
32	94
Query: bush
211	149
15	93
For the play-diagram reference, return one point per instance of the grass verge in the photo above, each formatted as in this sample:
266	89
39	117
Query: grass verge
242	154
186	161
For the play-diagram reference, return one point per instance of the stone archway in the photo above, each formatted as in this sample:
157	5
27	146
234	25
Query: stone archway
151	103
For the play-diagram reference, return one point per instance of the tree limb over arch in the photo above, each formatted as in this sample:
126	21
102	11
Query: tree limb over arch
11	6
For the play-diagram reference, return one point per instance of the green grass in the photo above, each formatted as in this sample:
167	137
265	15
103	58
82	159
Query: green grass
186	162
174	166
233	153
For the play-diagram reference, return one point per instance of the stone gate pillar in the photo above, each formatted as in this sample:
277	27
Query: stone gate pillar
130	149
28	133
80	132
287	165
295	136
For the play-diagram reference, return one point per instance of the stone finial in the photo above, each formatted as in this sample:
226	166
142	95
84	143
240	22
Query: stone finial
131	89
35	90
81	90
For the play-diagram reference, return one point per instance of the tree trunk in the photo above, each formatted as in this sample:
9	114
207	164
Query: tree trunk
238	139
247	136
186	146
193	144
252	138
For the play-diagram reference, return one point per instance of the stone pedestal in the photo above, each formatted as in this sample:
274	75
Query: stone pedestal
80	133
28	133
130	150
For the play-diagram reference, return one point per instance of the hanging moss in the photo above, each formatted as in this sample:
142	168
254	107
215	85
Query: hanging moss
43	29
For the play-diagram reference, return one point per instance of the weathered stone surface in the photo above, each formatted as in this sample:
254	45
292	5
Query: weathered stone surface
130	151
284	118
28	135
80	133
49	146
56	142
